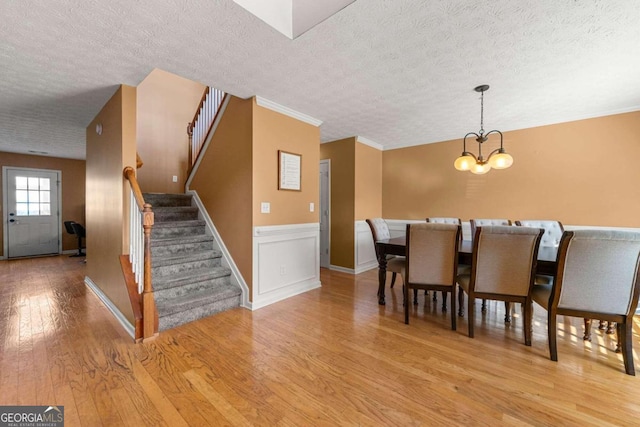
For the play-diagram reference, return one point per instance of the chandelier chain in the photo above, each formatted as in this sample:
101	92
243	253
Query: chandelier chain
481	113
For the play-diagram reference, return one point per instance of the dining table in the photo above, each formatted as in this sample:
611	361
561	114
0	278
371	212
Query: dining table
546	265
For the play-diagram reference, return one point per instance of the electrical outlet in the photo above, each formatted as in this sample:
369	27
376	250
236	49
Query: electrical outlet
265	207
312	207
283	270
175	178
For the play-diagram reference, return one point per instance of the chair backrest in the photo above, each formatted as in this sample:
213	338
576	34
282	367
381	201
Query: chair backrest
379	230
68	225
598	272
432	253
78	229
482	222
504	259
552	230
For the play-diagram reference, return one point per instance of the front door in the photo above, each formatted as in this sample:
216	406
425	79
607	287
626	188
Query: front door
32	219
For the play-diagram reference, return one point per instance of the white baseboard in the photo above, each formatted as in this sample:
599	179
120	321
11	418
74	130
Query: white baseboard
342	269
286	262
128	327
236	276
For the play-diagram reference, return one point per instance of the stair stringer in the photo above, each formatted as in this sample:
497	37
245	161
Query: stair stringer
227	261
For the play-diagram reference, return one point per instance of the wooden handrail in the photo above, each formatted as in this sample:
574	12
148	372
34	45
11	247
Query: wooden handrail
195	116
130	175
149	311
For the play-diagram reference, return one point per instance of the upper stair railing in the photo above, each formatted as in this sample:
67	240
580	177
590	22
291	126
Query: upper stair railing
198	129
140	225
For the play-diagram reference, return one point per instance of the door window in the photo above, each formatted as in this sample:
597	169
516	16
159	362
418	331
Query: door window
33	196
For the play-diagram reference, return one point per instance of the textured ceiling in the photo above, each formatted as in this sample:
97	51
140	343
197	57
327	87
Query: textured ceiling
397	72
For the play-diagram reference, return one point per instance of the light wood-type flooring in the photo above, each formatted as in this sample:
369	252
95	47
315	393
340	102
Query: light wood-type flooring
330	356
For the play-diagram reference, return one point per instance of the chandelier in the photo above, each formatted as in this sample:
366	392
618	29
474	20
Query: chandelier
497	159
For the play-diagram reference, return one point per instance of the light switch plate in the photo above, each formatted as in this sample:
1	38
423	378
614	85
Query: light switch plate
265	207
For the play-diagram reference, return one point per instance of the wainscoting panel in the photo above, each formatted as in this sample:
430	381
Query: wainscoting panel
286	262
365	253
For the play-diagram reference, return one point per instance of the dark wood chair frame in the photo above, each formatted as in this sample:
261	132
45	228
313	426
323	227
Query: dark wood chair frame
433	287
526	301
624	322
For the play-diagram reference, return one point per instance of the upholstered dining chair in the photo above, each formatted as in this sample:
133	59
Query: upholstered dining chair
461	267
432	261
598	277
380	231
503	268
552	230
475	223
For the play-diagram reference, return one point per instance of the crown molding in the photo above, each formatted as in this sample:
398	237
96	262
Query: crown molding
287	111
370	143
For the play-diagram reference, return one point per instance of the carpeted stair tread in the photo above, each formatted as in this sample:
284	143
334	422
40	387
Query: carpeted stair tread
198	275
199	312
168	241
182	258
188	302
157	200
179	224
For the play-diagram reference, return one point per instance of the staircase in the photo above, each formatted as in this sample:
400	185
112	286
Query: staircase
188	278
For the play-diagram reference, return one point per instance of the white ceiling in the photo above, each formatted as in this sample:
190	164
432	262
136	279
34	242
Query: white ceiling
396	72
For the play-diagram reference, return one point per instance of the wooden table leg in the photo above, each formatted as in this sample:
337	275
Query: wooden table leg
382	277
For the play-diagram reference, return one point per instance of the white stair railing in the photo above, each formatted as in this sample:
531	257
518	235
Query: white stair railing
200	126
136	242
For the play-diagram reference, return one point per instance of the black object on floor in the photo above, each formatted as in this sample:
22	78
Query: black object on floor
73	227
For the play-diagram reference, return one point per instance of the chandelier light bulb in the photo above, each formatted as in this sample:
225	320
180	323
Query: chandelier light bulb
500	160
464	162
480	168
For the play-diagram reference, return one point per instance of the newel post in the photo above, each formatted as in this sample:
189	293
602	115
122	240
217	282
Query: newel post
149	312
190	133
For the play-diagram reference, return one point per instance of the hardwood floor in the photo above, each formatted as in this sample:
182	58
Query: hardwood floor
331	356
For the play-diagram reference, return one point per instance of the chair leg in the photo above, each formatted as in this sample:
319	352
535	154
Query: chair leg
444	302
405	295
471	314
460	302
415	297
484	305
553	345
626	340
610	328
587	330
435	296
393	280
453	308
528	321
507	312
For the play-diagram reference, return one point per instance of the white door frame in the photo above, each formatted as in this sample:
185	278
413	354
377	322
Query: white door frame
328	208
5	206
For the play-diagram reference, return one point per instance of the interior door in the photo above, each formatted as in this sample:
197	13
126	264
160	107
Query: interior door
325	209
33	219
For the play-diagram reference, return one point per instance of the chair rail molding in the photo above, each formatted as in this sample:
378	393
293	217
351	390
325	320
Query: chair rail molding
286	262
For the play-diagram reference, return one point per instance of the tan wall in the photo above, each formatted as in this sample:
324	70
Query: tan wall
368	182
107	155
166	103
581	173
73	175
342	155
224	183
273	131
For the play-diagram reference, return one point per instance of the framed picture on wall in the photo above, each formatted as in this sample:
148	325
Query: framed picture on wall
289	169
